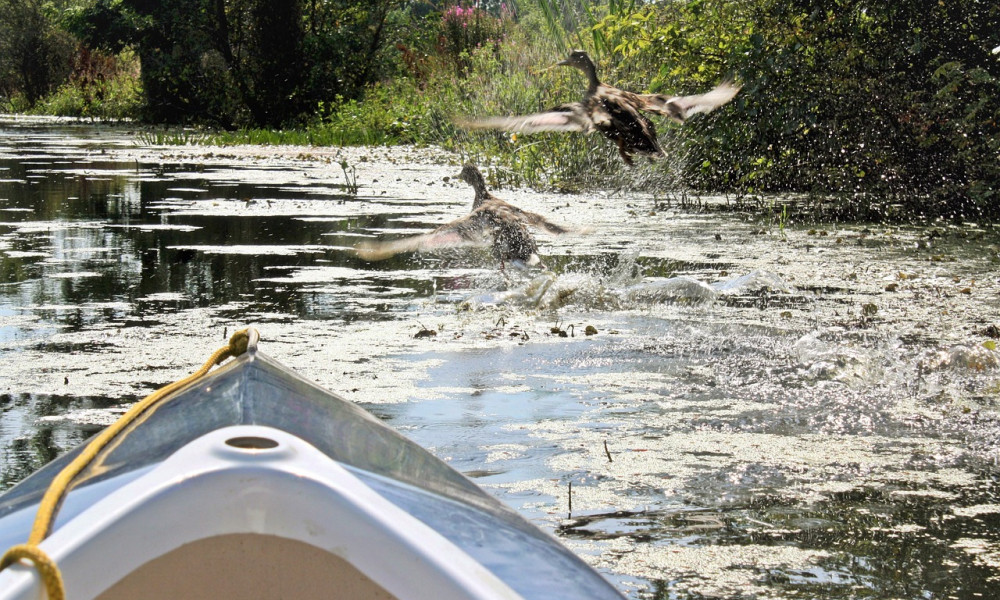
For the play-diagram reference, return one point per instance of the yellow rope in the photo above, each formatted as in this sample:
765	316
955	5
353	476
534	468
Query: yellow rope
49	506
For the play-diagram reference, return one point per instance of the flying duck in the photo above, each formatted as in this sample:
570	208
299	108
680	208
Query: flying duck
615	113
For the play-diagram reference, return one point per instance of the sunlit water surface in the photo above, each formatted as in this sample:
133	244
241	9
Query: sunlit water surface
757	411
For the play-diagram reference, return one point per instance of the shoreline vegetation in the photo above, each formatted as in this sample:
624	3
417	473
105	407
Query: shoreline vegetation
867	113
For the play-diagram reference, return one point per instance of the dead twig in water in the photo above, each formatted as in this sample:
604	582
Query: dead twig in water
606	451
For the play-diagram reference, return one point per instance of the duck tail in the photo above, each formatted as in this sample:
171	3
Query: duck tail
553	227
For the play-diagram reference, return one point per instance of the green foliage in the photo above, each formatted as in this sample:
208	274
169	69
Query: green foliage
466	29
893	107
574	23
351	44
387	115
390	113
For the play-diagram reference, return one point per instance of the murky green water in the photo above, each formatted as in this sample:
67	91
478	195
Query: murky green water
764	411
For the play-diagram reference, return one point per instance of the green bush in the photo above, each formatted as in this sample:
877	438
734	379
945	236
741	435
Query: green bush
894	108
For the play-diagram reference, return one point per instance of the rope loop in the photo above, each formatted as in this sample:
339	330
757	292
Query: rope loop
238	343
47	568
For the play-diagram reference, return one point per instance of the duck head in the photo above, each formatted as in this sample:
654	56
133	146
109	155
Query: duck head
471	175
580	60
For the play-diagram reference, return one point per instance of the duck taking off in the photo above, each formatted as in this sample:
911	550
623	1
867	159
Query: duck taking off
501	225
615	113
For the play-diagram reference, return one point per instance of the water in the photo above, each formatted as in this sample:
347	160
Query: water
763	411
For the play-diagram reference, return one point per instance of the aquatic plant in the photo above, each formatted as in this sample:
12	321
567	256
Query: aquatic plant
171	137
350	177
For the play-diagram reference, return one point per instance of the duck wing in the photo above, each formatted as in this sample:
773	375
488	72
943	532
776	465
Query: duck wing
679	108
470	230
565	117
529	218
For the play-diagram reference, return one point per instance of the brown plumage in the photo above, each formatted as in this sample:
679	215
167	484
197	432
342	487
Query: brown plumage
615	113
492	221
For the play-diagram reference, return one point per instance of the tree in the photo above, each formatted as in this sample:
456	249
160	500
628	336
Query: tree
35	56
243	62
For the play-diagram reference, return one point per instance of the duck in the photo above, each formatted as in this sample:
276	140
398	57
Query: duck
617	114
492	221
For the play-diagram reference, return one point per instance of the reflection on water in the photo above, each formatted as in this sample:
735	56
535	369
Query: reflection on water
127	241
756	411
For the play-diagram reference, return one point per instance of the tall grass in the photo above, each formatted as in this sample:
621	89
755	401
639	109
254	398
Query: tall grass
578	21
170	137
114	100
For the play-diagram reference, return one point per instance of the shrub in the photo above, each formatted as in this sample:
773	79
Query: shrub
101	86
464	30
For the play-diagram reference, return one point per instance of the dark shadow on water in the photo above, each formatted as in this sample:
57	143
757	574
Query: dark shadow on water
26	443
874	544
